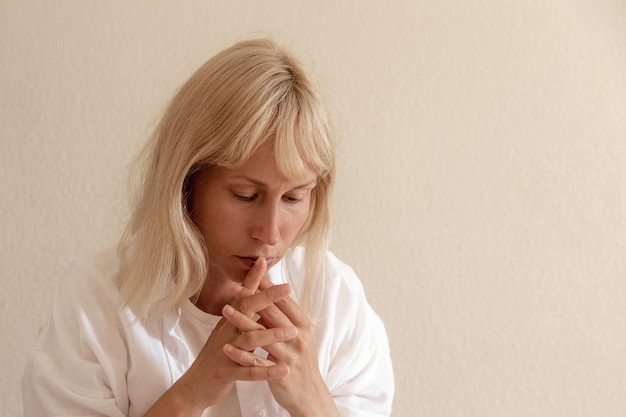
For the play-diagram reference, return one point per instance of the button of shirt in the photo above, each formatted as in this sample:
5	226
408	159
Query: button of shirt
260	413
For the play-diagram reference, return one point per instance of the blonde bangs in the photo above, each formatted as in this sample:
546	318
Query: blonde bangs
296	122
302	137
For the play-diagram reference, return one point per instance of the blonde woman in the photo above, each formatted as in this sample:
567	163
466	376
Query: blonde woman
222	299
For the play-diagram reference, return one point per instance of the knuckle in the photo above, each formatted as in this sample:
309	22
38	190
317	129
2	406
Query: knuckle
282	334
273	311
309	329
270	292
244	304
222	373
277	292
249	337
265	372
253	373
300	344
291	358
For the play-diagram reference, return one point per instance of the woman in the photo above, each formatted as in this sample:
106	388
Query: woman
221	299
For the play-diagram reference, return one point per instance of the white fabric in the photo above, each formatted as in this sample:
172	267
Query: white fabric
93	358
194	327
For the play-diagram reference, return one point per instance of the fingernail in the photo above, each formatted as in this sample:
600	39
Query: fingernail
292	331
228	348
228	309
238	288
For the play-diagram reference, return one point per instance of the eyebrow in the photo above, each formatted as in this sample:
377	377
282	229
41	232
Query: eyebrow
264	185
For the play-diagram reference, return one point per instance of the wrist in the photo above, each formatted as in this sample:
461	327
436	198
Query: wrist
319	403
176	402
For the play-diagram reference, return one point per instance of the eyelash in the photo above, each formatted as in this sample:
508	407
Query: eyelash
292	199
253	197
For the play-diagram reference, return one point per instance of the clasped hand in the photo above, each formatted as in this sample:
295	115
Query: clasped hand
283	330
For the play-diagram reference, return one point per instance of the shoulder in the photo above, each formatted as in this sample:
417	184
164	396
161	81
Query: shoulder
86	298
79	358
90	283
341	283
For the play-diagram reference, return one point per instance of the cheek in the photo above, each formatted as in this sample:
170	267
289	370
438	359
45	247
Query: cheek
219	222
297	220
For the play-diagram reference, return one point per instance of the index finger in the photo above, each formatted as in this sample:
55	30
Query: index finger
255	274
263	303
260	301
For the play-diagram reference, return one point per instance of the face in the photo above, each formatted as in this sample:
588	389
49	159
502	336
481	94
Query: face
248	212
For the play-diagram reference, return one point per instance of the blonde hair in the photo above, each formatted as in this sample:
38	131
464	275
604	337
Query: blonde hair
244	96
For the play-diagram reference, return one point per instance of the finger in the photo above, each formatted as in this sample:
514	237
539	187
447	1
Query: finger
254	334
255	274
256	302
241	321
271	312
261	338
287	306
279	352
272	316
245	358
260	373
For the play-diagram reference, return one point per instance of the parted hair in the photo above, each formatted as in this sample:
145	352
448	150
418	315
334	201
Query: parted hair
250	93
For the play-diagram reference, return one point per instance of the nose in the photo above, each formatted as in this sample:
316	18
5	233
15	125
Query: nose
267	224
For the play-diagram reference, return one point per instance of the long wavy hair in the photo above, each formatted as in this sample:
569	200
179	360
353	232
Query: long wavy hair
250	93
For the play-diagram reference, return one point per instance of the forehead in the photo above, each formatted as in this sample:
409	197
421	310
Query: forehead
262	168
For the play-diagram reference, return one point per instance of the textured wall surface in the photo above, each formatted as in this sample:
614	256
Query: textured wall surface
482	175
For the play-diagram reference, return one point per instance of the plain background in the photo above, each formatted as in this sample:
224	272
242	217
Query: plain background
482	166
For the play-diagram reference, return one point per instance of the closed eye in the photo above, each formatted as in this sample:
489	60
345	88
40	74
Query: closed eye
245	197
291	199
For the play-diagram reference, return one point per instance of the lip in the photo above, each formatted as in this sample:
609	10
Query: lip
248	261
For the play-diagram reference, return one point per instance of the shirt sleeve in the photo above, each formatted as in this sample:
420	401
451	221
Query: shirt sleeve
360	373
78	364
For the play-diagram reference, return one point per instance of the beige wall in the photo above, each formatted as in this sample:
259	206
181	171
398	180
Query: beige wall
481	195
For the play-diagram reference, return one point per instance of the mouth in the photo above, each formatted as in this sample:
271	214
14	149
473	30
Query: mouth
249	261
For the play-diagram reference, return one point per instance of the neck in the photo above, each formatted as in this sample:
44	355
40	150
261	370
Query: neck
213	297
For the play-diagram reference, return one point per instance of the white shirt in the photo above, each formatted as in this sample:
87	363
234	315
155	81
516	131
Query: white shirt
93	358
194	327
